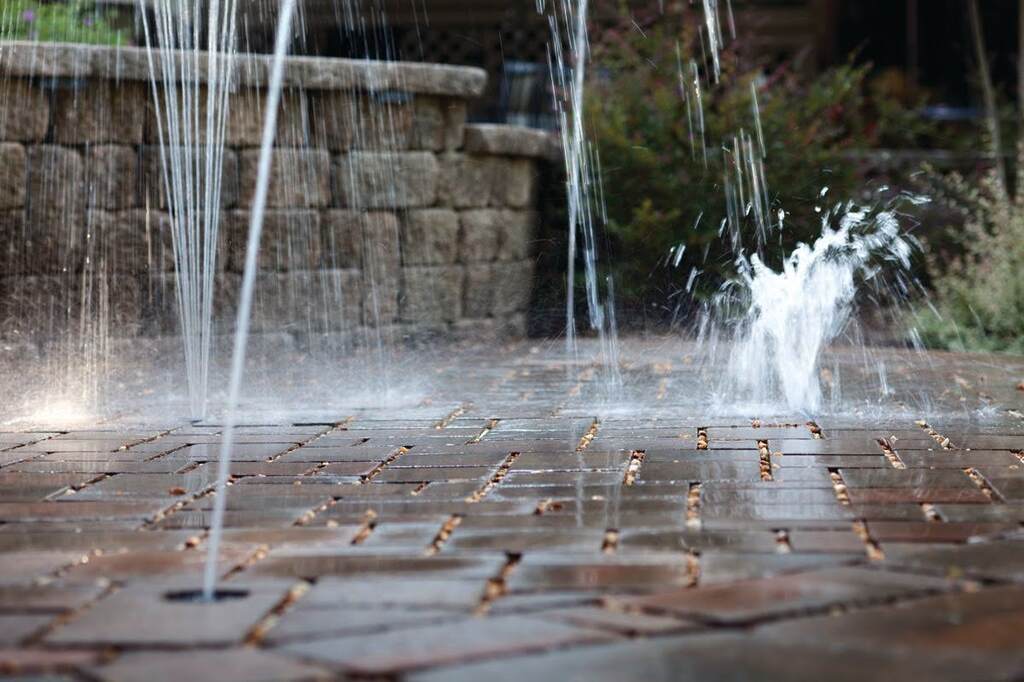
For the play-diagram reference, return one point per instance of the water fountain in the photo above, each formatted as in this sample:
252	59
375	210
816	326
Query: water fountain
191	88
783	320
583	186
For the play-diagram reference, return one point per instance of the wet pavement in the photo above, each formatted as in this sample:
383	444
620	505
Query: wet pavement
523	519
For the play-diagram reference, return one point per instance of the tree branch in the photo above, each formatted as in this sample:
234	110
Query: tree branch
988	92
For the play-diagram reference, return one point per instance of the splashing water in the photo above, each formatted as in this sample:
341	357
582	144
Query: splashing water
789	316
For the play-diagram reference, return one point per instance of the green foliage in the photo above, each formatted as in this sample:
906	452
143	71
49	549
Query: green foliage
979	290
660	194
73	21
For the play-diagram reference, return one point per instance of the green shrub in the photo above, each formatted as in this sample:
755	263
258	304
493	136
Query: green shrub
74	21
660	195
978	301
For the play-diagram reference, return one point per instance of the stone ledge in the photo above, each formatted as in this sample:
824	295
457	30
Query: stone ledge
506	140
52	60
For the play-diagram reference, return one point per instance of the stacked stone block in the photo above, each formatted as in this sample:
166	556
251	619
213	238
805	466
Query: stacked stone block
386	208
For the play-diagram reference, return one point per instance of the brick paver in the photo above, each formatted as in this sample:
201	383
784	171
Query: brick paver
519	521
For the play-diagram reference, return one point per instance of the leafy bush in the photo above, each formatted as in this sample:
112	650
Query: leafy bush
979	287
74	21
978	301
659	194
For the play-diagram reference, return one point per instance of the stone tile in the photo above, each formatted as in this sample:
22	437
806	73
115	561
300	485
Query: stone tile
232	665
718	567
720	656
622	622
755	600
78	511
982	622
15	628
468	639
140	615
49	597
997	559
42	662
299	564
304	622
544	572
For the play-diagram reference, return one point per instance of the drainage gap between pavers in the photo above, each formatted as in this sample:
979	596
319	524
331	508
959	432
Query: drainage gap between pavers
765	461
488	427
339	426
610	541
871	547
693	505
401	450
979	480
500	474
369	524
546	505
931	514
636	460
839	486
451	416
944	442
496	587
589	436
443	533
256	634
782	544
890	453
692	568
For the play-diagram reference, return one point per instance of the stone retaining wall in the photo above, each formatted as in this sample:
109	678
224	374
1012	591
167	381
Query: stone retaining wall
386	208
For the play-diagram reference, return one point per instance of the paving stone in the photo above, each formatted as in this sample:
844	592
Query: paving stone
445	643
14	628
48	597
981	622
551	573
34	662
422	593
772	597
622	622
79	511
719	567
232	665
298	564
721	656
477	498
308	622
998	559
140	615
